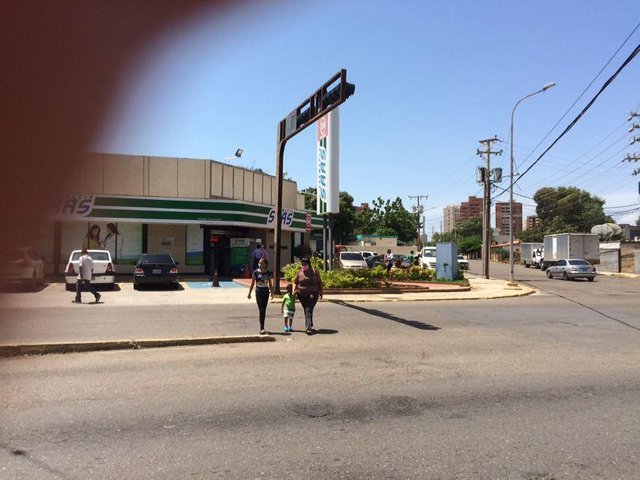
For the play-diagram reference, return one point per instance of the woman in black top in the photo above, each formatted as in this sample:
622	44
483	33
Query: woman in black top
262	279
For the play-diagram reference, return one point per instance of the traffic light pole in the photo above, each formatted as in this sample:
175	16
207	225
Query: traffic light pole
320	103
278	217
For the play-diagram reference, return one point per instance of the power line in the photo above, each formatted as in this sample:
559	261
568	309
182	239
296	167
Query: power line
584	110
583	91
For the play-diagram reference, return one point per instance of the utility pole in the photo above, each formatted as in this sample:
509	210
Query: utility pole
485	178
633	157
418	214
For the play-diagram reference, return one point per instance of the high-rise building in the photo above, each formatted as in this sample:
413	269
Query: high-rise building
471	208
531	222
451	217
502	220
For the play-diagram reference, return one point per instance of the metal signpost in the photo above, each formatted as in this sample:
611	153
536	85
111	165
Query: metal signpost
328	97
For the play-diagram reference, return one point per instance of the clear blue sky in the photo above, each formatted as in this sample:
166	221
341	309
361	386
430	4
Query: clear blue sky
432	78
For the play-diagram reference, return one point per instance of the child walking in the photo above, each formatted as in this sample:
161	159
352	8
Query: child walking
288	308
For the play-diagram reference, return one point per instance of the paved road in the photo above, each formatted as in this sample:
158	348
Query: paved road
539	387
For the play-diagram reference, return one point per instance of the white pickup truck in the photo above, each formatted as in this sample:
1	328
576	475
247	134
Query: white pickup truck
428	257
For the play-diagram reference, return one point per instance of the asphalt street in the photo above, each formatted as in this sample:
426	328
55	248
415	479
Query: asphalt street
539	387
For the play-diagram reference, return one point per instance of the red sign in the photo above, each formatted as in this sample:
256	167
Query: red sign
323	127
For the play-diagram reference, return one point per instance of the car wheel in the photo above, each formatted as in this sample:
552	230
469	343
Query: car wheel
565	276
591	279
549	274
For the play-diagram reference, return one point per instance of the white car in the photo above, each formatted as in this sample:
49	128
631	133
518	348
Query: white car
366	255
103	271
463	263
23	265
351	261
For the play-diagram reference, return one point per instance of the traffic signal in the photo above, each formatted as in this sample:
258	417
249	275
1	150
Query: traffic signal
319	105
334	95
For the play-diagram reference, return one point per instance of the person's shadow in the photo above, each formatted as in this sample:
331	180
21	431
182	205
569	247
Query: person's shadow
389	316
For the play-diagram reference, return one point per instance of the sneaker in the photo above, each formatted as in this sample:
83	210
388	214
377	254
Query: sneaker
76	301
98	297
285	329
263	332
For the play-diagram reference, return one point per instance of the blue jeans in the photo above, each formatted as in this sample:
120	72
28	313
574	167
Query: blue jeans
80	285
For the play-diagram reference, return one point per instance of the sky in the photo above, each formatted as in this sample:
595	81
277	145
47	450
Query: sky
432	79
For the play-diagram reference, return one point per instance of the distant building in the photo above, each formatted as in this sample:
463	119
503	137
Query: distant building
502	220
531	222
451	217
471	208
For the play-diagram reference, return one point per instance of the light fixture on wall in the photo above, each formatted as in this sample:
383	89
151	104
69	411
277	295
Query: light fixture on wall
238	154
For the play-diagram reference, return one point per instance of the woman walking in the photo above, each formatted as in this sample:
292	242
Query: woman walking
262	279
309	291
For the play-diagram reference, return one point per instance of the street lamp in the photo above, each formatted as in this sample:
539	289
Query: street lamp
544	88
238	154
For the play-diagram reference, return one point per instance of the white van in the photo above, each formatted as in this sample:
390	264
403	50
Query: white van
428	257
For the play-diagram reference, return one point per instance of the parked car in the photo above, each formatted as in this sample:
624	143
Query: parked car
375	260
351	261
572	268
103	271
399	261
463	263
23	265
155	269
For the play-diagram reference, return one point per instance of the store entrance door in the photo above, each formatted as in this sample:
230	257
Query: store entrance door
217	253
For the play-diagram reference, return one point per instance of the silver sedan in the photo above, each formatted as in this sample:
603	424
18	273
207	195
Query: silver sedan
572	268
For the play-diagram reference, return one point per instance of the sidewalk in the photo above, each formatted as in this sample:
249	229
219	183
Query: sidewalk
200	292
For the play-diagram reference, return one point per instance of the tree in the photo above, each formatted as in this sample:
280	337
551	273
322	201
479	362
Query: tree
344	223
468	233
391	218
638	221
443	237
535	234
568	209
469	227
310	195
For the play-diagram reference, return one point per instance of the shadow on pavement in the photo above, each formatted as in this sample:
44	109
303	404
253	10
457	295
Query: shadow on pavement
388	316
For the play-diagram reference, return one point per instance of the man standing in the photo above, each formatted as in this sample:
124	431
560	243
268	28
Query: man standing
388	260
257	254
85	272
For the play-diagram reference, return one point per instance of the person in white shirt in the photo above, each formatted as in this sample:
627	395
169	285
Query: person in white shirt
85	272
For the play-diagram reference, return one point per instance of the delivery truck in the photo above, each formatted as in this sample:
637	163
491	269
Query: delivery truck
531	254
571	245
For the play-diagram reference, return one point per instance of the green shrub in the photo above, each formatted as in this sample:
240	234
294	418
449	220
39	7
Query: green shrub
415	273
365	278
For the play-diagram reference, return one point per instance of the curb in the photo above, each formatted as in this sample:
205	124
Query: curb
78	347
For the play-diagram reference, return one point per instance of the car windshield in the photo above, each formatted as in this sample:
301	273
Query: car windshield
350	256
460	257
98	256
429	253
579	262
156	259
